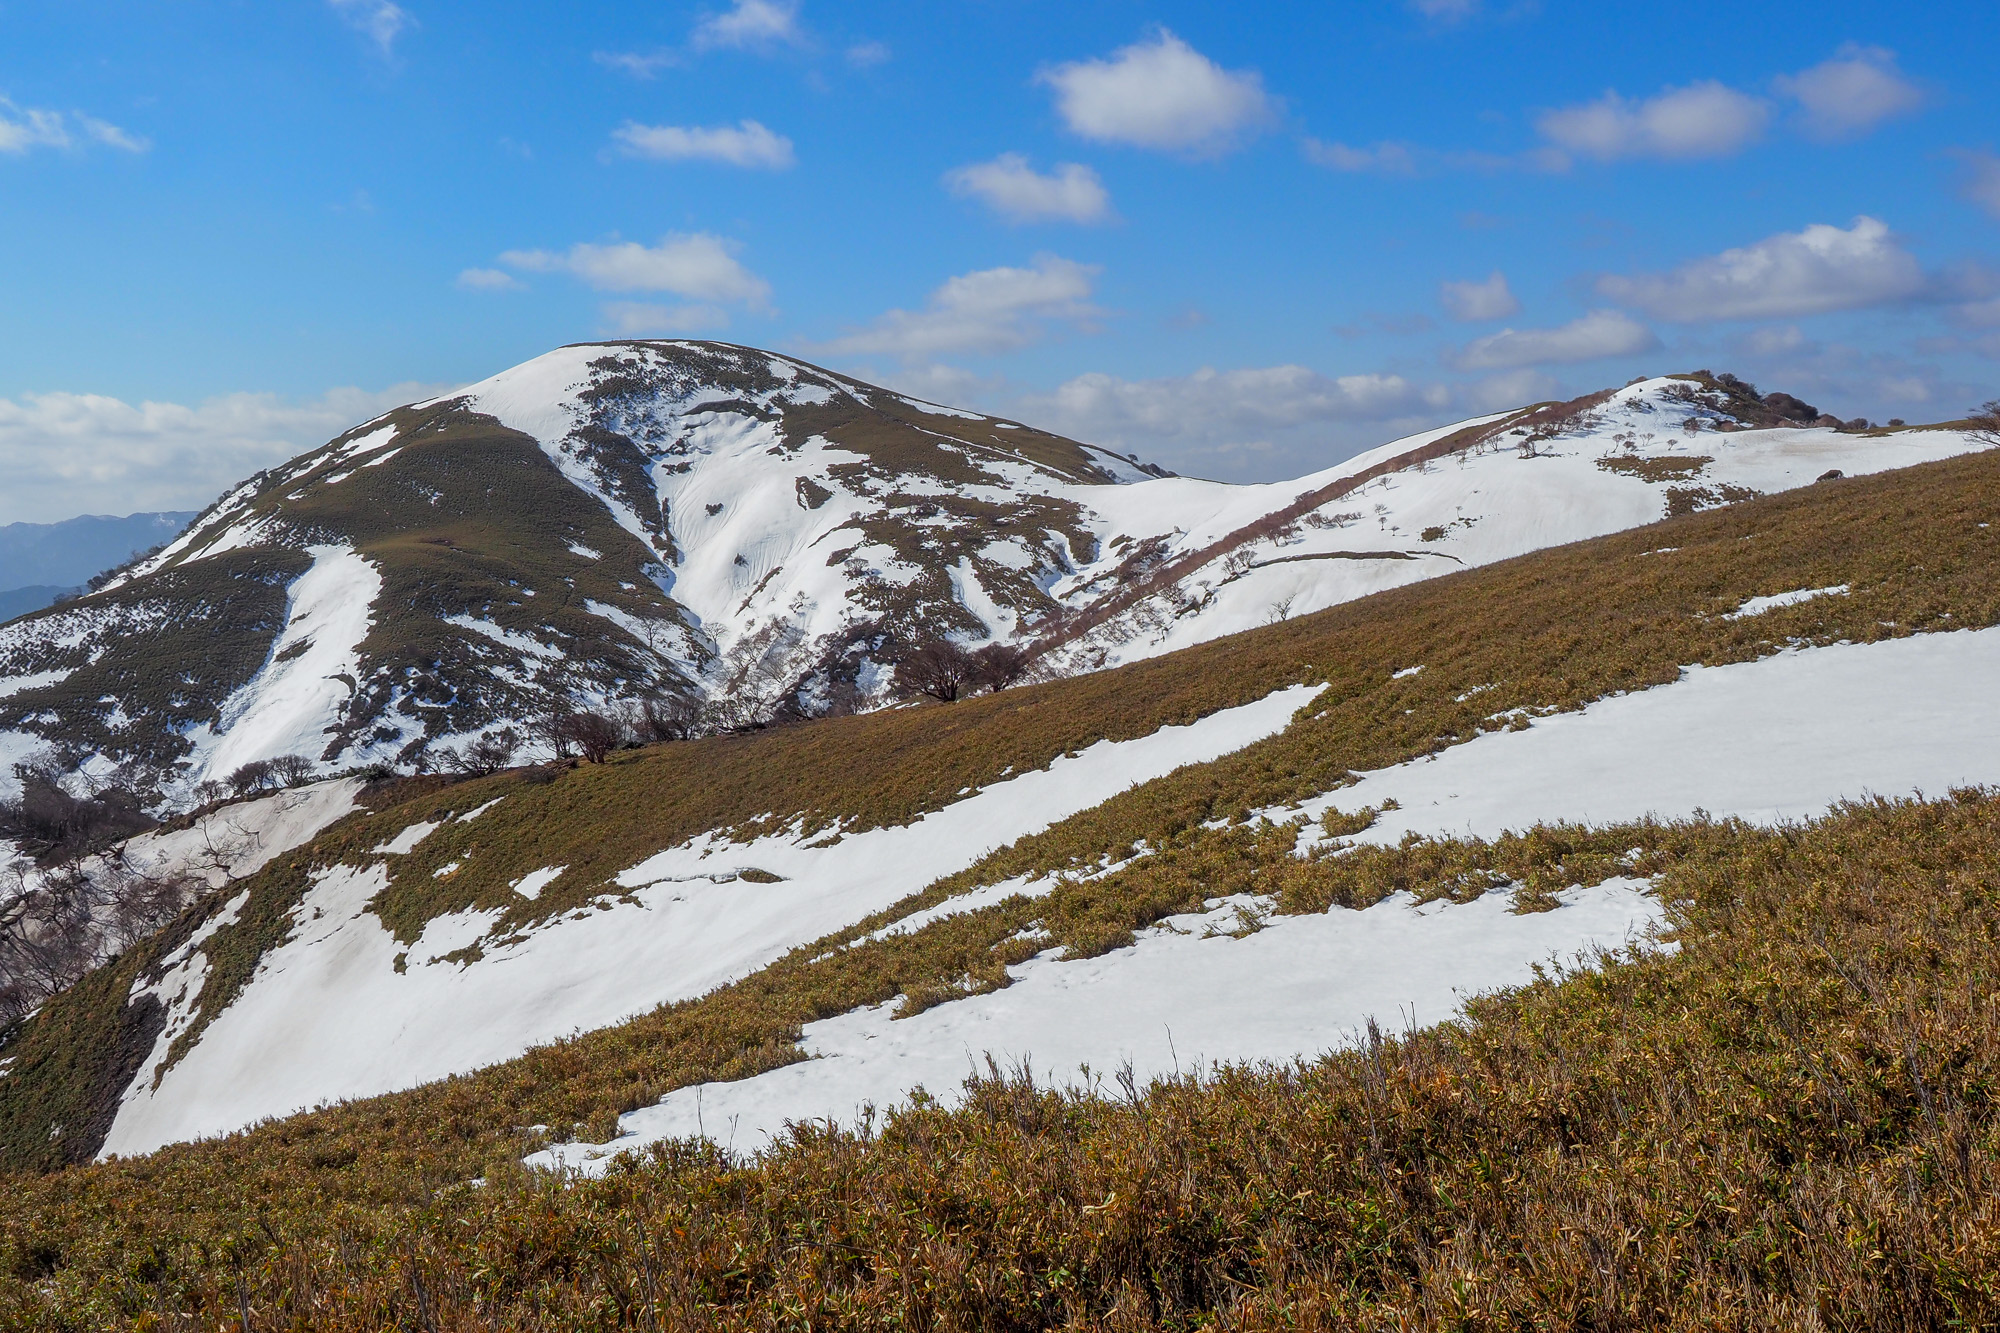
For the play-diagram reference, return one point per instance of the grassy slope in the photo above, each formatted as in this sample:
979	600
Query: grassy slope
1547	631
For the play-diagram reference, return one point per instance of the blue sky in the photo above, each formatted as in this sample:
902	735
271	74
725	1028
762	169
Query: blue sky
1243	240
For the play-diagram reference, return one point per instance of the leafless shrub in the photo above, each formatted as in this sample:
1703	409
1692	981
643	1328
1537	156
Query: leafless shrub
291	770
252	777
941	669
50	823
670	717
488	754
589	735
999	665
1986	422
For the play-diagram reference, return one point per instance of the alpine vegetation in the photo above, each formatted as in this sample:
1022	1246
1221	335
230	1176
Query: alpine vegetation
685	838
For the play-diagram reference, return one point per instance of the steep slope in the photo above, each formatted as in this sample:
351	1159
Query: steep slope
601	523
754	538
932	853
1667	1138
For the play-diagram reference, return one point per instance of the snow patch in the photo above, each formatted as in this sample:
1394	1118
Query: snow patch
297	699
1184	998
328	1015
530	885
1781	738
1757	606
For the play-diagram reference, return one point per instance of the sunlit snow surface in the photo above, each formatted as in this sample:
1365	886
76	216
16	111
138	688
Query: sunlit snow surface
295	702
1174	1002
328	1015
1777	739
1780	738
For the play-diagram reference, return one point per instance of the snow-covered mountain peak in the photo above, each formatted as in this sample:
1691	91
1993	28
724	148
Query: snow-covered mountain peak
747	537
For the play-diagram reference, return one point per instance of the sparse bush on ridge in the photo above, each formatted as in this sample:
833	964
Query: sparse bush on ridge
1985	422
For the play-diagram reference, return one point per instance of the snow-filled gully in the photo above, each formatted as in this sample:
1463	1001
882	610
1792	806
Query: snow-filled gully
1781	738
329	1015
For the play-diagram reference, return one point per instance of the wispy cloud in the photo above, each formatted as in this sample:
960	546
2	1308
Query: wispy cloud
1163	94
750	25
1392	159
1446	11
488	280
380	21
992	310
699	266
635	319
1245	422
1601	333
1809	272
1982	180
1472	301
23	129
867	55
1019	193
747	144
638	66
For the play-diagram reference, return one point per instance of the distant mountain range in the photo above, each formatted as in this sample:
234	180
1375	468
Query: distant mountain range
41	561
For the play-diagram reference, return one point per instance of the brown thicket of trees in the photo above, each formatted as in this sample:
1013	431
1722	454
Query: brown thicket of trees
947	671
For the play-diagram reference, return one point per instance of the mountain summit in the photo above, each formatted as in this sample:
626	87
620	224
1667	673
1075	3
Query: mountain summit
733	536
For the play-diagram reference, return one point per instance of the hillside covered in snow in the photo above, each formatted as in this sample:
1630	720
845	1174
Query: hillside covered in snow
1643	878
1239	850
710	537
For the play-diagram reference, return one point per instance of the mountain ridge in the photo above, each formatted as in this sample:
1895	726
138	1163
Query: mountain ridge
742	537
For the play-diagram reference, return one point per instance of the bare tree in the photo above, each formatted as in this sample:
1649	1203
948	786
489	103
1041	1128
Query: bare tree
999	665
588	734
290	770
50	823
941	669
488	754
1986	423
666	717
252	777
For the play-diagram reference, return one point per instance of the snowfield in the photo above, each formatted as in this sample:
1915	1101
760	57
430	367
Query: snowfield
1778	739
295	702
784	551
1781	738
1185	997
328	1014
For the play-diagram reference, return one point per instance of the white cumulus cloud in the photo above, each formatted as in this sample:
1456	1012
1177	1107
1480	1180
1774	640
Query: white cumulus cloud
1490	299
1809	272
1600	333
65	454
749	25
1161	93
380	21
1852	93
746	144
1019	193
699	266
1701	120
992	310
23	128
